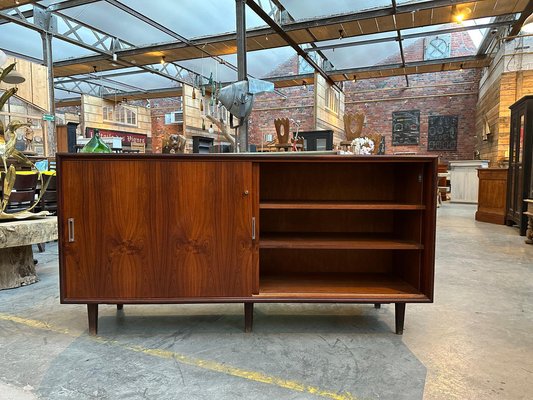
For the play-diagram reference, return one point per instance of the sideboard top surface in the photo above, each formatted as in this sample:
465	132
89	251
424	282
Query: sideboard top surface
253	157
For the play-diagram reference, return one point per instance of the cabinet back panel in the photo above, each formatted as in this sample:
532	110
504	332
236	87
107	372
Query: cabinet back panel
285	261
327	221
379	182
146	230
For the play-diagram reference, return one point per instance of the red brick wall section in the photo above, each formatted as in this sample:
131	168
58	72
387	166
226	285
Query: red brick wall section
445	93
299	105
160	107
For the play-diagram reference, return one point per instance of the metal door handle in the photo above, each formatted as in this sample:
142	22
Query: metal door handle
253	228
70	225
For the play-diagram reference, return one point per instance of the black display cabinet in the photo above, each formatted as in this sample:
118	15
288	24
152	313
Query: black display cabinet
202	144
317	140
519	182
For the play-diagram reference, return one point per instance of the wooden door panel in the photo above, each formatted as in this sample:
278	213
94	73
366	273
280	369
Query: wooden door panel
156	230
207	219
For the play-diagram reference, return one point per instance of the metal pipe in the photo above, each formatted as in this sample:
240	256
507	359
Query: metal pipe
240	12
51	125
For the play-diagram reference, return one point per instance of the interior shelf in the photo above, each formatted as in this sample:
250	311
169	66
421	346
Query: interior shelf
357	286
335	241
338	205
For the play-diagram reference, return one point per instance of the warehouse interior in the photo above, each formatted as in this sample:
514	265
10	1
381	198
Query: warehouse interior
383	151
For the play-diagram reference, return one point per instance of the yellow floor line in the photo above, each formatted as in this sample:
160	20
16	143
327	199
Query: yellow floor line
192	361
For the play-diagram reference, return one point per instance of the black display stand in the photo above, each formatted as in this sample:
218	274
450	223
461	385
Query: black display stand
312	140
519	184
202	144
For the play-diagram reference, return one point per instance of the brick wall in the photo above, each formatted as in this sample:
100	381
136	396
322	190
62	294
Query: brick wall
445	93
160	107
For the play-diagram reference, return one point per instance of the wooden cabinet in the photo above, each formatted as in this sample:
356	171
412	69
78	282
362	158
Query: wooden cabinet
491	195
519	181
236	228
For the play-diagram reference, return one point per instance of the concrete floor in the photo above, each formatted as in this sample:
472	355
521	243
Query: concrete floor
474	342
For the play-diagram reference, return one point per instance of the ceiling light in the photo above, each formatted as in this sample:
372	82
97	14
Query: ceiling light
527	27
354	78
14	78
341	34
460	15
115	57
461	67
163	61
304	85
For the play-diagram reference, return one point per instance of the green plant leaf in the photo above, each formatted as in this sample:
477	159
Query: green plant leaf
6	71
7	94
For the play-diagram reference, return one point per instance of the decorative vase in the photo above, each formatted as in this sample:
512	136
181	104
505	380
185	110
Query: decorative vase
96	145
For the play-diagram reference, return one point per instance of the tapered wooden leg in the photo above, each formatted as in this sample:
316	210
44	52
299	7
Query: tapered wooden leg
120	306
377	305
400	317
248	316
92	311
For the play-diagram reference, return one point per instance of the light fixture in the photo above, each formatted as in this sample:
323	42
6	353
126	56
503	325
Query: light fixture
354	79
461	67
304	85
266	38
211	130
115	57
341	34
527	27
163	61
14	78
460	15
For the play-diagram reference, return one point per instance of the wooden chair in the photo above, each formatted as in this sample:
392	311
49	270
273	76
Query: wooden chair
284	139
24	190
353	127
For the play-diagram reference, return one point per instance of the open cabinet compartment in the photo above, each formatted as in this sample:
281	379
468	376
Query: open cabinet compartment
346	230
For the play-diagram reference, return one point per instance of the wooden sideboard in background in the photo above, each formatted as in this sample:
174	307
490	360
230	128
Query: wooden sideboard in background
492	195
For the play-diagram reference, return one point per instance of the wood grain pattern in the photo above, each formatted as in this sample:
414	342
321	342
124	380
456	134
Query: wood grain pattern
156	230
323	285
335	241
337	205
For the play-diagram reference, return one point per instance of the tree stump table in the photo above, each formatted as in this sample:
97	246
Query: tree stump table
16	254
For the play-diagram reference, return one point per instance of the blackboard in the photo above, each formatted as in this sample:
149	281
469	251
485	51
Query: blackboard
405	127
442	132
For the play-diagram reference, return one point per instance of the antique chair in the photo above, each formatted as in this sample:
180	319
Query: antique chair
284	139
353	126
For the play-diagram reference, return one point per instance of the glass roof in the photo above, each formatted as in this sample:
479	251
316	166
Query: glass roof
194	19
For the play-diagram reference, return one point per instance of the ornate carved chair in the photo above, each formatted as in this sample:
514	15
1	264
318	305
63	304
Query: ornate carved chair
353	126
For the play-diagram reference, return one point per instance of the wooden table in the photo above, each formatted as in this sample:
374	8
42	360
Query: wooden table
16	254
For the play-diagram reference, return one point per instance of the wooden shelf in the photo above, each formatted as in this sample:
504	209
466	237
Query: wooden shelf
337	205
356	286
334	241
